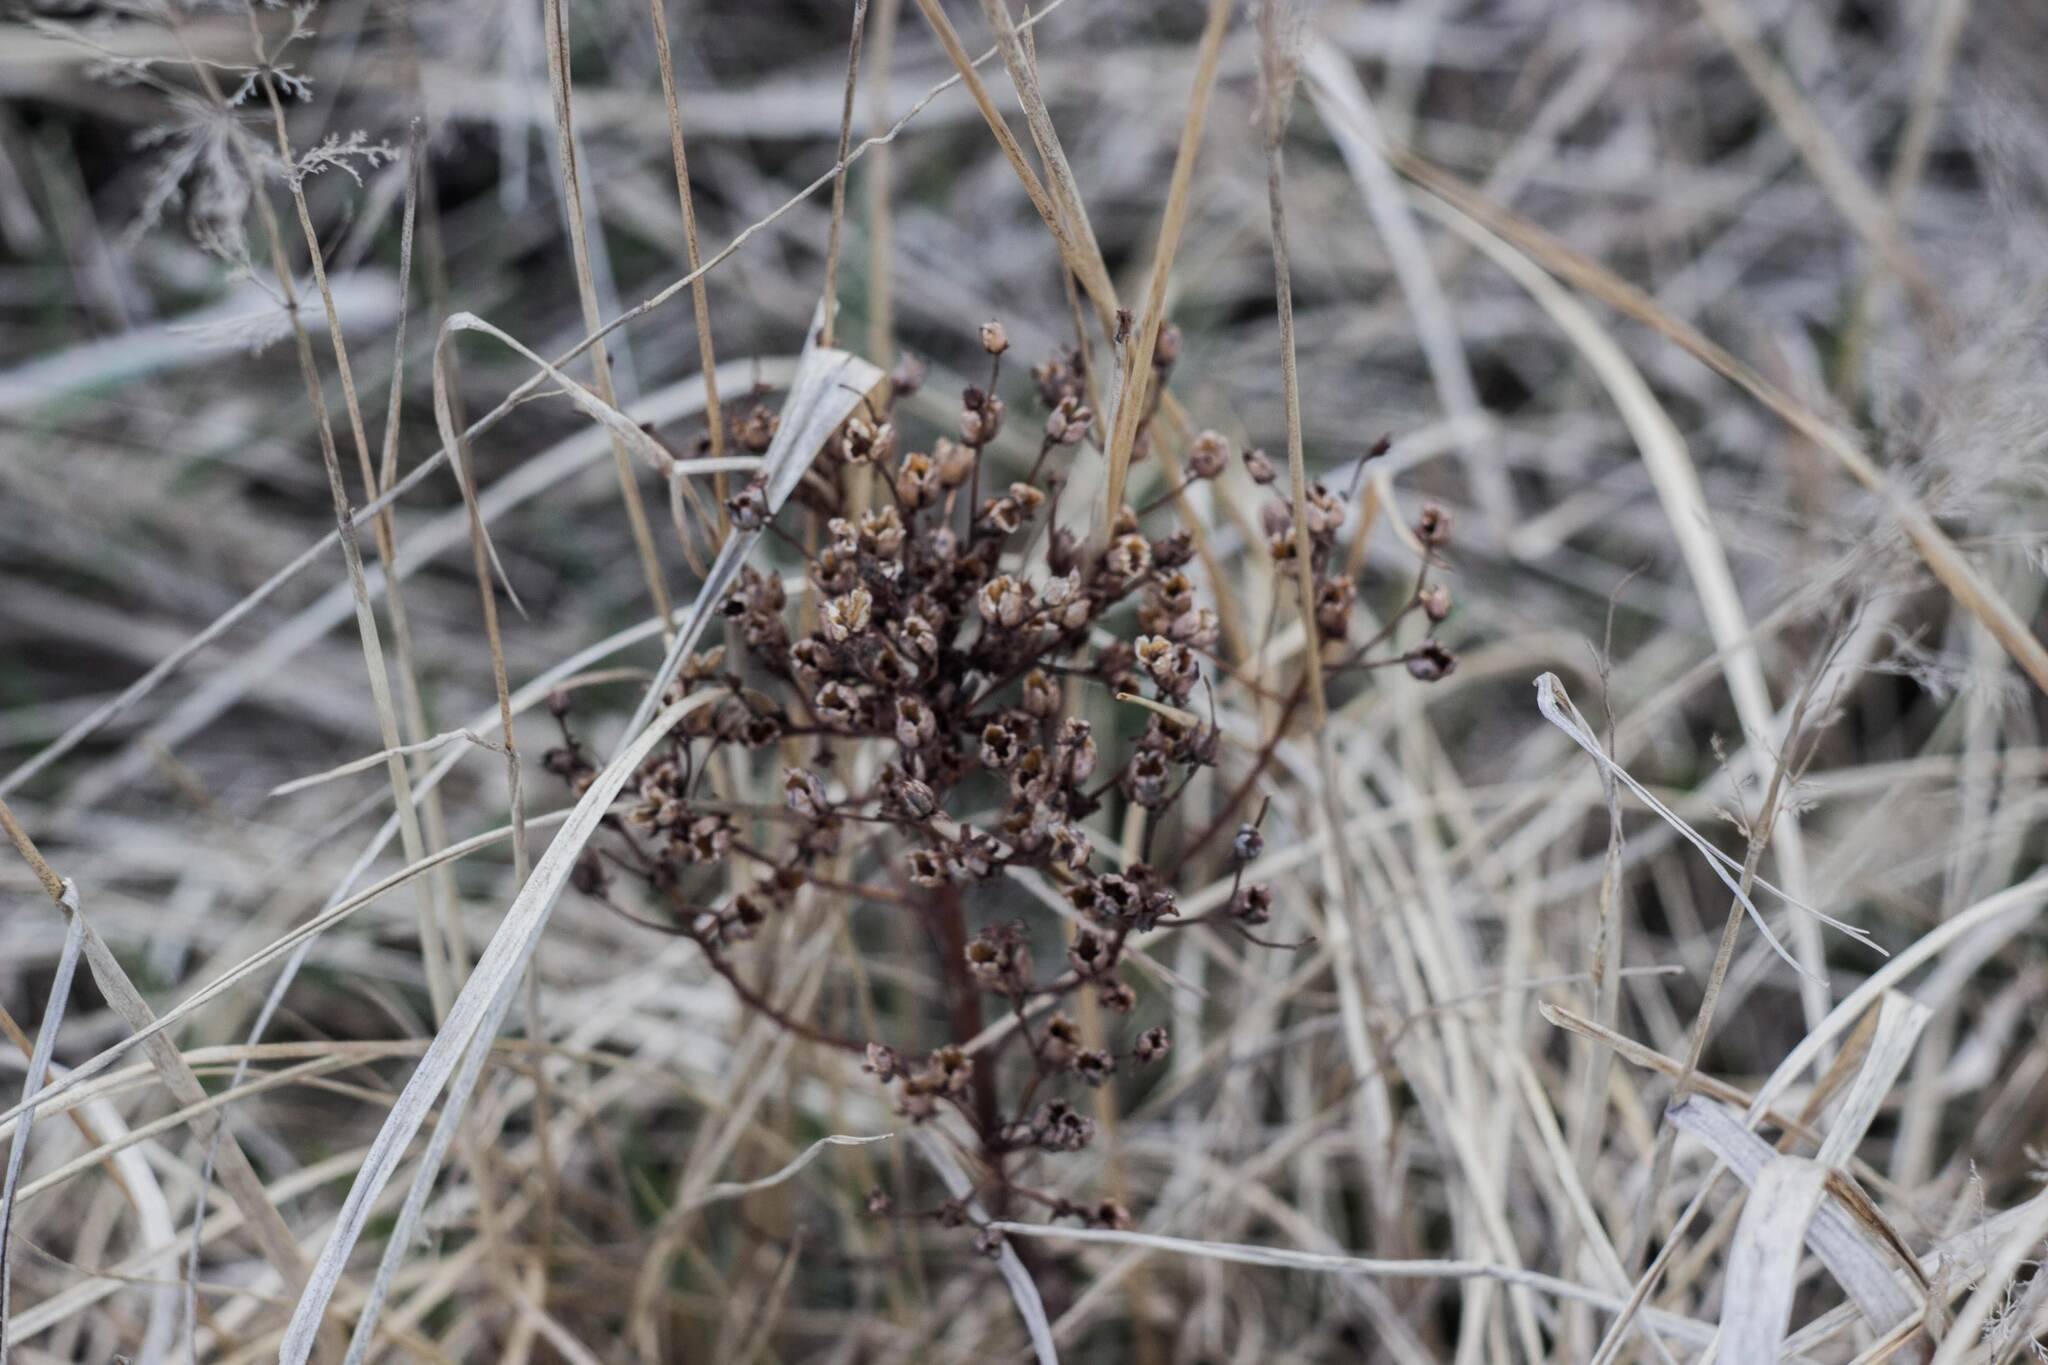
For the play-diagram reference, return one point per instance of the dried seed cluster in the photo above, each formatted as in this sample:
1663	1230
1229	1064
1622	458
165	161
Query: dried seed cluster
926	691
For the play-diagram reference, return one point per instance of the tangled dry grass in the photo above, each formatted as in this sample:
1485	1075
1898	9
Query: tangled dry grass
1431	752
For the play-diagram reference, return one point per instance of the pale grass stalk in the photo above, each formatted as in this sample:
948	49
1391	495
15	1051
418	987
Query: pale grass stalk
586	290
1130	403
693	256
860	22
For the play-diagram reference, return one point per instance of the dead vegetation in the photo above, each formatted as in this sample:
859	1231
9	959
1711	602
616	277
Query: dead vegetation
1275	682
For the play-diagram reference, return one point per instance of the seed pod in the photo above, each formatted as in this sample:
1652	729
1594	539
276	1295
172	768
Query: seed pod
848	615
804	793
1041	693
917	482
1433	525
955	461
909	375
1430	662
749	507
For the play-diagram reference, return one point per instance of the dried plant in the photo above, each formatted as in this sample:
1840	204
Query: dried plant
1051	850
929	736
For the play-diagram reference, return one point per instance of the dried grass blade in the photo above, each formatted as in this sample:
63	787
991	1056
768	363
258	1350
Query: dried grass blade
1763	1263
1857	1258
38	1068
713	1194
1899	1022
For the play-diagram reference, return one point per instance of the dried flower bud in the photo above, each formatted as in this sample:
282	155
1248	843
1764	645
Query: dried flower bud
1056	379
749	507
1068	423
1334	600
1429	662
972	857
743	920
882	1062
991	963
878	1202
704	664
1005	602
1062	1040
1260	466
980	421
809	660
862	442
1324	510
1128	556
1002	515
1070	847
917	635
1173	551
989	1242
1094	1067
916	799
1148	777
1088	954
804	793
1061	549
1249	844
705	841
1433	525
994	339
955	461
1116	997
1077	752
1172	666
1252	904
1152	1044
1208	455
1058	1127
924	868
756	431
1041	693
882	533
1110	1214
1276	519
909	375
1436	601
955	1069
848	615
917	482
999	747
838	705
558	703
916	726
1166	347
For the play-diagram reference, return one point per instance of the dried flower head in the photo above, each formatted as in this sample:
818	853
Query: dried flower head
1208	456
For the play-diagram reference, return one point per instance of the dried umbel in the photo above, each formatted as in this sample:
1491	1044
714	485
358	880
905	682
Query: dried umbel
913	687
